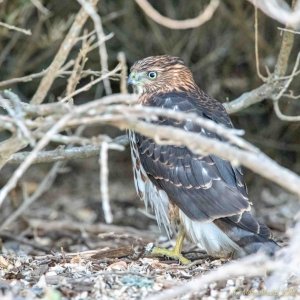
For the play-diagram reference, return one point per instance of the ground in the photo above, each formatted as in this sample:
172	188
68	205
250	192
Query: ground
61	248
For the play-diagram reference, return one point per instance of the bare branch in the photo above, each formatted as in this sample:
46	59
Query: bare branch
202	18
263	78
35	75
44	10
44	141
42	188
57	155
280	11
93	228
291	95
123	82
79	64
30	158
10	146
17	117
290	79
231	134
257	162
60	154
12	27
276	99
90	84
105	112
103	162
257	95
284	53
274	83
282	116
289	30
8	47
61	56
91	11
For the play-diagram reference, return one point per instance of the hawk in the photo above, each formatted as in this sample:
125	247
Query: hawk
205	194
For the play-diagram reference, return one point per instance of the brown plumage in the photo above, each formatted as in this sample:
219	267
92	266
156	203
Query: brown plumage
207	193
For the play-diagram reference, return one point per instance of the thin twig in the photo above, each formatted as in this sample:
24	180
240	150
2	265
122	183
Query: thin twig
61	56
289	30
60	154
276	99
123	81
274	83
91	11
78	66
44	10
30	158
231	134
282	116
291	95
202	18
103	162
97	228
290	79
8	47
257	162
90	84
263	78
42	188
285	51
252	97
35	75
12	27
43	142
17	116
10	146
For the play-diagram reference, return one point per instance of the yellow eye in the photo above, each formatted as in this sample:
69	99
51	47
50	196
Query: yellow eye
152	75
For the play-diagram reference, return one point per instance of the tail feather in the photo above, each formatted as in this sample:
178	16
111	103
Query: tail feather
255	243
230	237
249	241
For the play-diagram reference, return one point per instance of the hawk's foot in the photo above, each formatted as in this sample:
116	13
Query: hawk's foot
175	253
156	251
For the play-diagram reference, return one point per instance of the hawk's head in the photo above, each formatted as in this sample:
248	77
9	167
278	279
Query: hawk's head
160	74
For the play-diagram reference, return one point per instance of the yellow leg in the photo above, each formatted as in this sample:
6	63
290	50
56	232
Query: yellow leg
175	253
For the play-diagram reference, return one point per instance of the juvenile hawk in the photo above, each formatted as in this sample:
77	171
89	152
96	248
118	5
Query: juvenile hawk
206	194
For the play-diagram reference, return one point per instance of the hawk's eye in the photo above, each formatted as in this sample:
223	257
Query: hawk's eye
152	75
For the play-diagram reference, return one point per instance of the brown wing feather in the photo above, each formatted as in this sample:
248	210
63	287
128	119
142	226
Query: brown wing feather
203	187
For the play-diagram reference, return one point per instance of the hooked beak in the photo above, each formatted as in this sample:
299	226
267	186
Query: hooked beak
133	78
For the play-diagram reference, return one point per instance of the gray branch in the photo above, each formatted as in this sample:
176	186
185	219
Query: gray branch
66	154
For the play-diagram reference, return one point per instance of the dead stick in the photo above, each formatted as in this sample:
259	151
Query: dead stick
61	55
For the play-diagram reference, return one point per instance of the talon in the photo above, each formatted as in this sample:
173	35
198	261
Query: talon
156	251
174	253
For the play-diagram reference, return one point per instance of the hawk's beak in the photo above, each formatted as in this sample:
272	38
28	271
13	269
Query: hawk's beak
133	78
130	80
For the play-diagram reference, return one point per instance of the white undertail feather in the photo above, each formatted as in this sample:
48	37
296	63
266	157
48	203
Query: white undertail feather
210	237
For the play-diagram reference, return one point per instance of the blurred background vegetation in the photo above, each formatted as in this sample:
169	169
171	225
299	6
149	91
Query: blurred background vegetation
220	53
